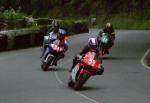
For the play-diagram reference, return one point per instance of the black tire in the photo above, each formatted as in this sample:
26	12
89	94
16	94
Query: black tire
70	82
102	70
44	66
82	79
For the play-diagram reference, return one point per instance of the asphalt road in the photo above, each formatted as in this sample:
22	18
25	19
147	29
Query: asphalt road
125	79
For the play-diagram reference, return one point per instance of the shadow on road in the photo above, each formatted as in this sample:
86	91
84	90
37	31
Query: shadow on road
120	58
54	69
89	88
113	58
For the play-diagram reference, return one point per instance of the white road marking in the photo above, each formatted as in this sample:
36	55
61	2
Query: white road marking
90	99
58	79
77	93
56	74
144	56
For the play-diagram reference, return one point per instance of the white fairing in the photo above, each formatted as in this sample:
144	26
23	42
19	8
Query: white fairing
51	36
74	72
48	57
46	39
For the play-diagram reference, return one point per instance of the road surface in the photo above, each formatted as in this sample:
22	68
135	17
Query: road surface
125	79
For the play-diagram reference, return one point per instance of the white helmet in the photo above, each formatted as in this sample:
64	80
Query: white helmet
92	42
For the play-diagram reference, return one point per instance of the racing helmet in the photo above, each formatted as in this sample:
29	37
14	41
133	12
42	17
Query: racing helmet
55	26
92	42
108	27
61	34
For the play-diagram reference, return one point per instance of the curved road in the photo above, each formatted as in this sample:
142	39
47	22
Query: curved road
125	79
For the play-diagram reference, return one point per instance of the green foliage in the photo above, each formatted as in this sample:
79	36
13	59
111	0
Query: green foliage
123	13
79	26
11	14
43	21
78	7
124	21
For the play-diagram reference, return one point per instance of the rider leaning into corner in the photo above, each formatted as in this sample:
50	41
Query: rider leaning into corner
91	46
109	30
51	35
61	41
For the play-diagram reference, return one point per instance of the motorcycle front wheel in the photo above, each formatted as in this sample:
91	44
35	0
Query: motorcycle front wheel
46	64
70	82
81	80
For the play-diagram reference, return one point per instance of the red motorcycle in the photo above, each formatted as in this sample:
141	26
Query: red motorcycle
87	67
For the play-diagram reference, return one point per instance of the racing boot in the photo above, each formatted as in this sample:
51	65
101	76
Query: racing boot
100	71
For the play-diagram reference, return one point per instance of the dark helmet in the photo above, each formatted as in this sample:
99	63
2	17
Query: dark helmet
55	26
61	34
55	23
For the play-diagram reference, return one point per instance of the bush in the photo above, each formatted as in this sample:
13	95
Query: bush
124	21
80	26
43	21
74	27
11	14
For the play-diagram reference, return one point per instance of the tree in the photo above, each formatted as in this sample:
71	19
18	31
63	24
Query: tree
26	5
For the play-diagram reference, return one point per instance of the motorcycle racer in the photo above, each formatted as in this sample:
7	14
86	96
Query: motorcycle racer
51	35
91	46
60	42
109	30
